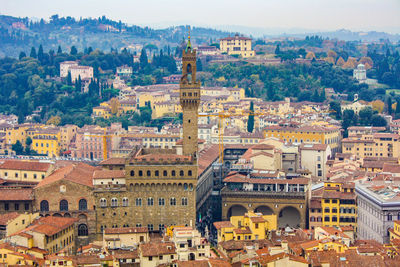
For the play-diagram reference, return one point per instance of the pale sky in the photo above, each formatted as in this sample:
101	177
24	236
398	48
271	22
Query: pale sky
364	15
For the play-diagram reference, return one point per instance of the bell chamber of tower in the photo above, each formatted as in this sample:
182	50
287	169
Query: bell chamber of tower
189	89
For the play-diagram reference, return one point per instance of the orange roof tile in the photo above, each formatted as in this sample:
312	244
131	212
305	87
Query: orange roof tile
5	218
223	224
101	174
16	194
80	173
25	165
126	230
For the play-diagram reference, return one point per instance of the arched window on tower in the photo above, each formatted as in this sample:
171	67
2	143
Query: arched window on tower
44	205
189	72
63	205
82	204
82	230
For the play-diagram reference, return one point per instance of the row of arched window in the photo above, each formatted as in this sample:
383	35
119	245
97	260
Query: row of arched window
63	205
138	202
157	173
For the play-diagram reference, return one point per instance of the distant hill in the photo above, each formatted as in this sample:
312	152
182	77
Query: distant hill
343	34
20	34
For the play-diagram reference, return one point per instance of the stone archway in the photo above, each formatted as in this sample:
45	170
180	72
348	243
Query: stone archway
265	210
236	210
289	216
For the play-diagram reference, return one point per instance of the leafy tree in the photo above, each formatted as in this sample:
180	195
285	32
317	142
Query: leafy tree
250	121
33	53
54	120
336	109
73	51
378	121
18	148
28	141
365	115
349	119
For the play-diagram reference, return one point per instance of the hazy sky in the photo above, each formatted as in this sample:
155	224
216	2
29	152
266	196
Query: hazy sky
305	14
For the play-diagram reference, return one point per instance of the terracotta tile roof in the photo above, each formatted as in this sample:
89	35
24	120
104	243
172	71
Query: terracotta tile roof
245	230
25	165
315	203
392	168
104	174
223	224
126	230
195	263
157	248
235	38
257	219
322	147
17	194
5	218
113	161
50	225
80	173
218	263
206	157
124	254
262	147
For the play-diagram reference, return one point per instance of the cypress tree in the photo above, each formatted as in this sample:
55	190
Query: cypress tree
389	105
250	121
59	50
33	53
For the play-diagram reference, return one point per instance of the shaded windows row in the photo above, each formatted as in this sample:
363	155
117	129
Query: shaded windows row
139	202
63	205
157	173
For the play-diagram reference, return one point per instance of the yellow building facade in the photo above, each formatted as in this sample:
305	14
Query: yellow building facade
237	45
339	205
47	142
251	226
372	145
307	134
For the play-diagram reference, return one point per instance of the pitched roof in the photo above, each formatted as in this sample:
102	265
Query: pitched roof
25	165
16	194
157	248
49	225
113	161
80	173
5	218
126	230
223	224
102	174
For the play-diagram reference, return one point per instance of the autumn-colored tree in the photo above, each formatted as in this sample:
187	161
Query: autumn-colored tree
114	103
367	66
330	60
332	53
54	120
351	63
340	62
378	105
366	60
310	55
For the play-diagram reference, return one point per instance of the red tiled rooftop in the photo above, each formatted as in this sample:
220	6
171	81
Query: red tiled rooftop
25	165
78	173
16	194
126	230
104	174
